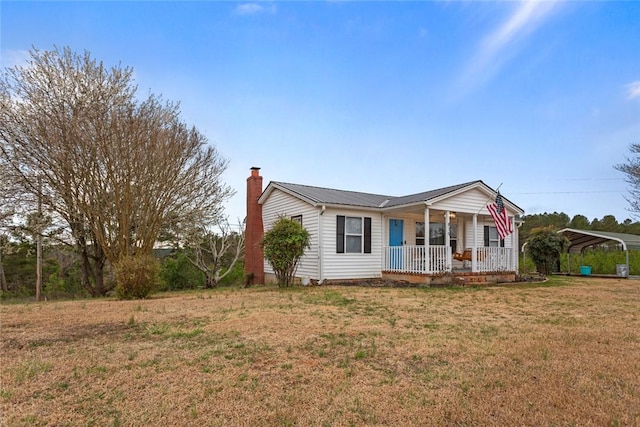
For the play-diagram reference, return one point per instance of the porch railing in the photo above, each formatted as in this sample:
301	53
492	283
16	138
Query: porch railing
412	259
495	259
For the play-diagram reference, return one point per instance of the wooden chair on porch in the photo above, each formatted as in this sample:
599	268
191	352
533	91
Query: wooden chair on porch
466	255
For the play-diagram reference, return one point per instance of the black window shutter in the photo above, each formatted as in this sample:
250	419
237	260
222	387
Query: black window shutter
486	235
340	235
502	243
367	235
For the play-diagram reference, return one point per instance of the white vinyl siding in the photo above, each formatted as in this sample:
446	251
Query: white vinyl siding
482	222
469	201
338	266
280	204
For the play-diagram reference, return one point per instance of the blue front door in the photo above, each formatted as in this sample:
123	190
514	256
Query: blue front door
396	237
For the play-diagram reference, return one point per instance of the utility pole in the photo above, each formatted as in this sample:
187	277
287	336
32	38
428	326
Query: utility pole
39	243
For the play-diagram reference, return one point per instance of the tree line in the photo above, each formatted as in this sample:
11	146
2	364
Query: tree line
558	221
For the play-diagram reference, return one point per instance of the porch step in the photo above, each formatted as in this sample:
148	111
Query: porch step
471	279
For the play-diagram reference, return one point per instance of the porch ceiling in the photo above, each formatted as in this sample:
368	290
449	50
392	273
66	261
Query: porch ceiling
418	209
413	209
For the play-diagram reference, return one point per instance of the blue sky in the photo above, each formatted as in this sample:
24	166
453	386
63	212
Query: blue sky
390	97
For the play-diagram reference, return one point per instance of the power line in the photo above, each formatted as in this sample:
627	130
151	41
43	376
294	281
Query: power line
568	192
587	179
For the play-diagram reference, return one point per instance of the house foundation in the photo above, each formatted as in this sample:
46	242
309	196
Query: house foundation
456	278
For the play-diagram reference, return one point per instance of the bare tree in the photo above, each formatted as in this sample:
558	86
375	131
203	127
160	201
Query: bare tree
632	171
114	168
215	254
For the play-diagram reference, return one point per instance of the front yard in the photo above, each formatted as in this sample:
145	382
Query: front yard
565	352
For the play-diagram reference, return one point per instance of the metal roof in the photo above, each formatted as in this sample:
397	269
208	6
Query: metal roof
581	239
328	196
427	195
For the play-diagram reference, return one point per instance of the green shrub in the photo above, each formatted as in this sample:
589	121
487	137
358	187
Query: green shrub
178	273
66	284
20	270
284	244
235	277
136	276
545	246
526	263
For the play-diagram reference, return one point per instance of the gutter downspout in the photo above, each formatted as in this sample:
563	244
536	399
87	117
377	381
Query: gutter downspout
320	245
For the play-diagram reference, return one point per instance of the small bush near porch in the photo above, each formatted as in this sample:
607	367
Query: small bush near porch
564	352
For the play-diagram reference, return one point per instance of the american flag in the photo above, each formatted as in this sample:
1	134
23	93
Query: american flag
500	217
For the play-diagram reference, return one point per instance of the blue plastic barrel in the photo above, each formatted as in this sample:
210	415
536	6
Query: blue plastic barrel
585	270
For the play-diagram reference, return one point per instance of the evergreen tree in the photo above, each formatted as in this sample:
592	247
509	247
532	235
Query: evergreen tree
580	222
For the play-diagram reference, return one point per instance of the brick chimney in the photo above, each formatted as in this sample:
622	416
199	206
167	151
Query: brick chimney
254	257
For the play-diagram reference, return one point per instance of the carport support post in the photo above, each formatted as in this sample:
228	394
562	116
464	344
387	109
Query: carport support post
628	266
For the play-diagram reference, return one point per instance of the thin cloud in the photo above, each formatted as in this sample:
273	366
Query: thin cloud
13	58
501	44
254	8
633	90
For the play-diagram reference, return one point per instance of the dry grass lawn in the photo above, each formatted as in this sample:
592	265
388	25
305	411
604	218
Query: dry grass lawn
562	353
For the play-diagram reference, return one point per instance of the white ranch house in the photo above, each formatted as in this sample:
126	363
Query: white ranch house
359	236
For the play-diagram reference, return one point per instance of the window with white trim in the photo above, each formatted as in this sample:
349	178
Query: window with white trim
420	233
353	234
436	234
491	237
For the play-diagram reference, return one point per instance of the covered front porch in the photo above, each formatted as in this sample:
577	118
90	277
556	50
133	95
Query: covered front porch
439	259
455	242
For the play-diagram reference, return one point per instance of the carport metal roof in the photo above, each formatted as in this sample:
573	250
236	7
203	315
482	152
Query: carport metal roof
581	239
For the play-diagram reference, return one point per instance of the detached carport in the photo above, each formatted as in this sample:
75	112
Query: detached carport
582	239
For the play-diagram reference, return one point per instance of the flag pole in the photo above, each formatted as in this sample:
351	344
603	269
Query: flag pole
491	198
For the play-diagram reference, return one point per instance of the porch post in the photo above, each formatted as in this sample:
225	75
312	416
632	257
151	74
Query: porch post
447	239
514	245
474	251
427	257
